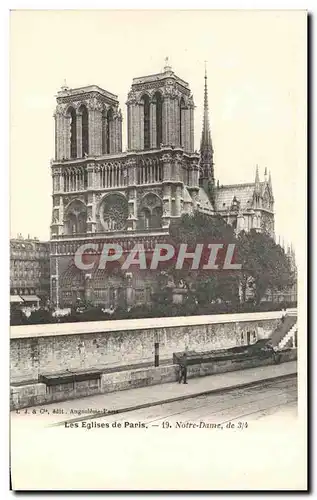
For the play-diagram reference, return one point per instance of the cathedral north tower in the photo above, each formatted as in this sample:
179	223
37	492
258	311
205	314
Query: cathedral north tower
88	122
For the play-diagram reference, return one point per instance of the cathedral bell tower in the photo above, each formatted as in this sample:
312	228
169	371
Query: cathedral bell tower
88	126
88	122
160	112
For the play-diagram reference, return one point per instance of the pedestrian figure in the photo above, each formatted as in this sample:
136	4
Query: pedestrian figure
183	369
283	314
276	356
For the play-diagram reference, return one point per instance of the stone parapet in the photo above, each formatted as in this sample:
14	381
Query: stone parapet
52	348
35	393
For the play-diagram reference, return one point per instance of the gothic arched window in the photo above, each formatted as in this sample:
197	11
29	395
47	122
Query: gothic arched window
75	218
159	124
81	222
73	133
156	220
84	130
109	131
71	224
150	214
145	218
104	132
146	121
181	122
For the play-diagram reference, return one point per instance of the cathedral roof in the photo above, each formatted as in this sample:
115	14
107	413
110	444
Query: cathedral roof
224	195
204	201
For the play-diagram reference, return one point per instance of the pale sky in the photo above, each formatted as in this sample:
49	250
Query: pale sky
256	63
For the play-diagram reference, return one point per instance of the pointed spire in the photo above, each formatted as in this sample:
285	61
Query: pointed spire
293	253
206	138
257	177
206	149
265	175
257	180
270	179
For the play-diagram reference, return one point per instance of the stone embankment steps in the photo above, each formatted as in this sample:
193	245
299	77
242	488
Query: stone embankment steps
292	340
288	339
282	329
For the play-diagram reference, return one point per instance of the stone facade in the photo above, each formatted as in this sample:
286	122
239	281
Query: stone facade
247	206
160	111
29	268
37	393
52	349
102	194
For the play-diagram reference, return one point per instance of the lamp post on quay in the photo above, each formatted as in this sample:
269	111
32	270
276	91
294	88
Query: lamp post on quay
156	349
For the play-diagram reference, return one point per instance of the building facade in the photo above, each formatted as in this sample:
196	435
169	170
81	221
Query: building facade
29	270
102	194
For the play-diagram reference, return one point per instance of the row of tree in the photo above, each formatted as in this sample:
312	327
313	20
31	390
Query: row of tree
264	264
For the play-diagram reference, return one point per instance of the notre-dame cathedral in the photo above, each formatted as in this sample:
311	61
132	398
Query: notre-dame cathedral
101	193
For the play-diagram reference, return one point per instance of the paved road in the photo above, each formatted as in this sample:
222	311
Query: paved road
260	401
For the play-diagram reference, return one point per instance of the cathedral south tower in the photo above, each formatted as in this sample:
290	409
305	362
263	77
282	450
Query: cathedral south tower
160	112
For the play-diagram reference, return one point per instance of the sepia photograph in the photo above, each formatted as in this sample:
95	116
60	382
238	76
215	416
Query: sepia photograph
158	178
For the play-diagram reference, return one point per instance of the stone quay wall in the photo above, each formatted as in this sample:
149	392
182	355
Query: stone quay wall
55	348
36	393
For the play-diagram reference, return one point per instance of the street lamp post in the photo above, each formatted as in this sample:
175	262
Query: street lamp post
156	350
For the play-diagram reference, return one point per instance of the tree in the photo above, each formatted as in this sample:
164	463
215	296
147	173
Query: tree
40	316
17	317
203	286
92	314
264	264
200	228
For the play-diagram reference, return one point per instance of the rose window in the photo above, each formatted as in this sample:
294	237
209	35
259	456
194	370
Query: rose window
114	213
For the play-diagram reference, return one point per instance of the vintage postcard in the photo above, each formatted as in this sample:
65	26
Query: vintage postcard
158	305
